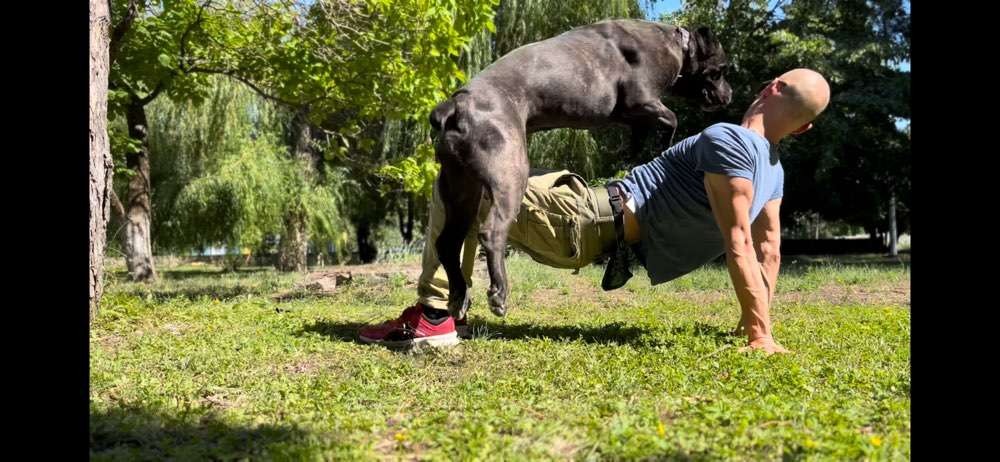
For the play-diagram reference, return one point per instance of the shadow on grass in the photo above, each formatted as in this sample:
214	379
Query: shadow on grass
344	332
185	274
181	274
140	434
615	333
221	293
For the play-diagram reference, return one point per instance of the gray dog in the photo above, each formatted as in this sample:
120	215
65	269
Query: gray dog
611	72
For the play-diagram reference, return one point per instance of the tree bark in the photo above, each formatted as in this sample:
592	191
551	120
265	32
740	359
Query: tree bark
138	213
367	250
294	243
893	238
100	149
406	220
294	248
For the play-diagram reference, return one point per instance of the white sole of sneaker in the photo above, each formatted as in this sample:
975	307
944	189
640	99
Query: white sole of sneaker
443	340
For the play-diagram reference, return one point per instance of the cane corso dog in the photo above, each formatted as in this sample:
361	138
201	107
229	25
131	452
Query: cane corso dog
611	72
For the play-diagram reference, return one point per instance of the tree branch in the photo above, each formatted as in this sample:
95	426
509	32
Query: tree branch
767	17
247	82
120	29
116	206
184	36
151	95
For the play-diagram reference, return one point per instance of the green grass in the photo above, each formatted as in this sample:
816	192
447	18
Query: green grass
204	365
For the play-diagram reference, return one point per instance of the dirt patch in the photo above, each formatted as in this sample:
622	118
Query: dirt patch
301	367
888	294
174	328
311	364
578	288
328	280
563	449
110	342
222	398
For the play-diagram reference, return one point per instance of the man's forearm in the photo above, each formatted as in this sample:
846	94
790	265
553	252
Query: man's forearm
769	267
753	292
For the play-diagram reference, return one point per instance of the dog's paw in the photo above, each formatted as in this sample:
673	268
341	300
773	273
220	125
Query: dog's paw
498	305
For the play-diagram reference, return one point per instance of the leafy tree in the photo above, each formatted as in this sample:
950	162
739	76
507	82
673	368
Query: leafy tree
855	158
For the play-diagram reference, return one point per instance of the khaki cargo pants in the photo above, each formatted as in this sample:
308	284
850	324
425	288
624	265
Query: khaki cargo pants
562	223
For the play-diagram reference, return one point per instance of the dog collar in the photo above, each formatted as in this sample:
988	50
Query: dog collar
685	37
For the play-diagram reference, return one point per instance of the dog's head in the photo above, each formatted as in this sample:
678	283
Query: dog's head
702	75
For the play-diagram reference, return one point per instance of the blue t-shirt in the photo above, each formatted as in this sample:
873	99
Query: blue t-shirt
678	229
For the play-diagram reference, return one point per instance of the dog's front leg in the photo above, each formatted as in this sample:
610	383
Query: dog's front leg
666	127
652	118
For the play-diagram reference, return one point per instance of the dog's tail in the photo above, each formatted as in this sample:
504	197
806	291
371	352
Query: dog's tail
444	116
441	113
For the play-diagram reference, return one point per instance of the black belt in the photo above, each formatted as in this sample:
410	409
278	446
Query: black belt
617	199
617	273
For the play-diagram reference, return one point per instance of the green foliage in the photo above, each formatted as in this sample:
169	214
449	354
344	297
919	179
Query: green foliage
416	173
854	155
149	52
517	22
365	59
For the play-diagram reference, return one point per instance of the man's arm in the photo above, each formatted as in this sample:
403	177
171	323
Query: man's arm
730	198
766	230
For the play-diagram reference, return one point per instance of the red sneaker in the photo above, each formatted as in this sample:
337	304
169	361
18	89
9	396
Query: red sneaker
411	329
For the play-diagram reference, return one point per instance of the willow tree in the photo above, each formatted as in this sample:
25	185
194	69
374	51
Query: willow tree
339	66
146	40
222	174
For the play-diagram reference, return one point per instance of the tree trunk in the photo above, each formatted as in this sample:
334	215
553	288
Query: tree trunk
406	222
367	250
100	149
293	251
138	245
893	238
294	243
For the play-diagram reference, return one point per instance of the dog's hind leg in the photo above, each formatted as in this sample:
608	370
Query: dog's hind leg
460	194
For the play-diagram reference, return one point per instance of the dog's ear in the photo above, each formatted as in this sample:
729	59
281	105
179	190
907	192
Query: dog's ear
706	43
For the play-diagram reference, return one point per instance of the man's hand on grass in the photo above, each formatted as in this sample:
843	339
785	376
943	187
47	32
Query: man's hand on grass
767	345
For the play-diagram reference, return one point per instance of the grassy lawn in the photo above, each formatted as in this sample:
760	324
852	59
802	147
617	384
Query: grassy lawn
205	365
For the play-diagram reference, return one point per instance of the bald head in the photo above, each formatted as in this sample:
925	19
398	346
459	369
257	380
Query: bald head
788	104
804	94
